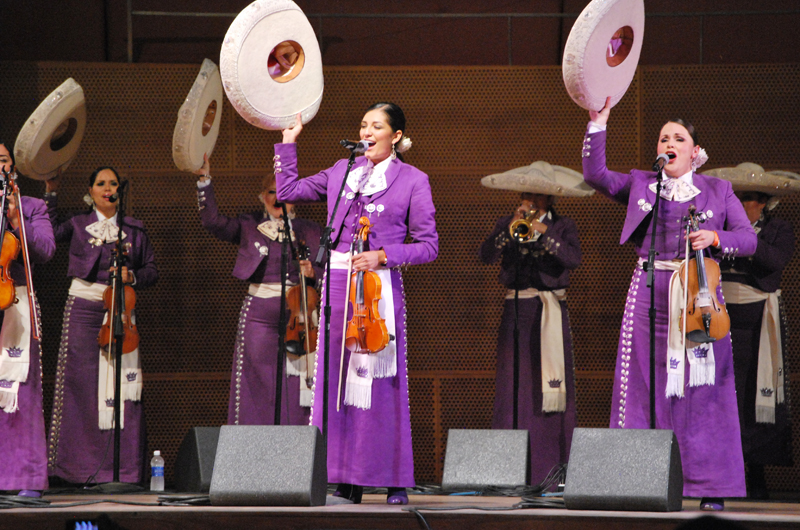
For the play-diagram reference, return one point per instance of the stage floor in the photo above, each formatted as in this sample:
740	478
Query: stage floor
141	512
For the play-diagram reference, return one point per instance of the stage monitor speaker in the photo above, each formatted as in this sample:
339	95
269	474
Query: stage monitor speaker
195	461
269	465
475	459
624	469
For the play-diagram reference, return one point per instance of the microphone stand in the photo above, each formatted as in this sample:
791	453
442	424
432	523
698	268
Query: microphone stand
324	256
650	268
119	334
515	413
286	244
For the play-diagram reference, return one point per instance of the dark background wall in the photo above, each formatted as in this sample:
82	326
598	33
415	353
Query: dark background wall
733	75
408	32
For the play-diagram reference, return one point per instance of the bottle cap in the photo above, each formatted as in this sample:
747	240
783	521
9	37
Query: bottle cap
156	453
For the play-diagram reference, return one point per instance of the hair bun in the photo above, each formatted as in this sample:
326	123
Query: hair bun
403	145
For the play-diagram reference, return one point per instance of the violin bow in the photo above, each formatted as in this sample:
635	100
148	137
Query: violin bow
344	325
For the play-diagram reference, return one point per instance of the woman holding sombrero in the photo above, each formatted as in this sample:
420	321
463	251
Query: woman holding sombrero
753	297
369	434
23	466
698	401
537	249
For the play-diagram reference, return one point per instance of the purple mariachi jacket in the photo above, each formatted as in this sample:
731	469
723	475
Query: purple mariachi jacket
91	262
41	244
407	201
727	217
763	269
545	263
243	231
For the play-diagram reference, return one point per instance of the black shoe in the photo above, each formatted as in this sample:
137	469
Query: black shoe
349	492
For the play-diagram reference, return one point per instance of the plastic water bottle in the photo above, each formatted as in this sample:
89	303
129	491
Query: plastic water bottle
157	472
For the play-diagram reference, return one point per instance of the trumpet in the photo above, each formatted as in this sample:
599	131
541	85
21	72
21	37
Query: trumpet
521	229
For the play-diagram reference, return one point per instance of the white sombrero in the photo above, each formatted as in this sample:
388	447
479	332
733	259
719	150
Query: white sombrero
197	128
271	65
602	52
50	139
540	177
752	177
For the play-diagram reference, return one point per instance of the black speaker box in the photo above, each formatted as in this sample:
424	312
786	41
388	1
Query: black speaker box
269	465
624	469
476	458
195	460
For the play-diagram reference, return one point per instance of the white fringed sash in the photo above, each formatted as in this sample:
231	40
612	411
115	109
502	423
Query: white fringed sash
679	349
15	350
363	368
131	364
554	387
295	366
769	376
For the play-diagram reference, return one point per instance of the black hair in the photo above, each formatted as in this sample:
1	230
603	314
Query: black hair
93	176
395	117
10	152
688	126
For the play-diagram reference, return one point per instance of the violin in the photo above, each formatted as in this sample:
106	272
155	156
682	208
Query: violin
130	339
11	247
301	300
366	330
705	318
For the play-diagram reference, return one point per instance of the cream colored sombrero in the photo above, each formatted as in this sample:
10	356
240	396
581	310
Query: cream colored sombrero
752	177
271	65
602	52
50	139
197	128
540	177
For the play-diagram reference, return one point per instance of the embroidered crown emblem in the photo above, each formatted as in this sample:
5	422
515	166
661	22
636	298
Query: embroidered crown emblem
6	384
673	363
131	376
15	352
766	392
700	352
362	371
554	383
110	402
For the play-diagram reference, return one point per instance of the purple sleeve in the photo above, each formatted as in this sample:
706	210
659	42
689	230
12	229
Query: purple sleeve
491	248
221	226
563	245
738	238
421	227
614	185
38	230
62	230
145	270
291	188
775	255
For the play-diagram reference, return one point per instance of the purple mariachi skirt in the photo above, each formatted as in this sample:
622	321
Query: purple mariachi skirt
705	420
22	444
79	451
550	433
252	396
366	447
762	443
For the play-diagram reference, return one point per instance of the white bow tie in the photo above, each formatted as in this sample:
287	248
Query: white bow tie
273	229
676	190
104	231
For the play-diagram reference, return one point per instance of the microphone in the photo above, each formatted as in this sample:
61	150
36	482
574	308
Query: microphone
356	147
662	160
113	198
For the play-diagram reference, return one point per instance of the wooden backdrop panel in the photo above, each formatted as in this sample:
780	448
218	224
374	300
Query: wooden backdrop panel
466	122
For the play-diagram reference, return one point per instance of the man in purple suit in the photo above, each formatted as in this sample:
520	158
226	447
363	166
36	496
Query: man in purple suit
695	394
369	432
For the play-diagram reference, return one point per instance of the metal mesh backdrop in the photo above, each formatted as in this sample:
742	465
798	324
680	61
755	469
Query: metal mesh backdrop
465	123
